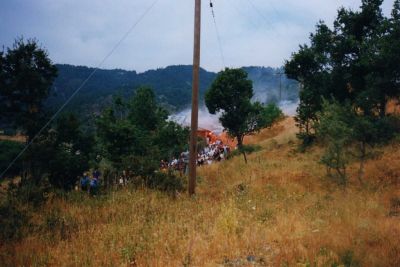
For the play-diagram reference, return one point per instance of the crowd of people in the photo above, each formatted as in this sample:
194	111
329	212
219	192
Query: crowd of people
212	152
90	184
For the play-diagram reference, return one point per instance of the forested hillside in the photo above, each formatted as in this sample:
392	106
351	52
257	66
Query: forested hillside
172	86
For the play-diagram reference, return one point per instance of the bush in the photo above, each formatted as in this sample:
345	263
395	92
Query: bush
270	114
335	131
347	259
28	193
8	151
166	181
248	149
306	141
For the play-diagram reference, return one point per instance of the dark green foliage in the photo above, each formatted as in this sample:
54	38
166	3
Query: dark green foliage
27	75
355	62
29	192
144	110
118	137
9	150
135	136
335	131
347	259
172	86
349	134
248	149
166	181
171	140
270	114
231	94
72	150
128	140
58	156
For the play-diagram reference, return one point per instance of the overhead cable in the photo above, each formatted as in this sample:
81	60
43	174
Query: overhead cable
81	86
218	34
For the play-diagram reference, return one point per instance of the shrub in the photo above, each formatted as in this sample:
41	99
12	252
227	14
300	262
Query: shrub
248	149
8	151
165	181
347	259
336	133
28	192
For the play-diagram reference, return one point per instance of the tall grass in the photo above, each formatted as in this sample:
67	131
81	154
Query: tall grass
278	210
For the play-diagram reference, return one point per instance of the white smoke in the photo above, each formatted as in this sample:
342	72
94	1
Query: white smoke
288	107
206	120
211	122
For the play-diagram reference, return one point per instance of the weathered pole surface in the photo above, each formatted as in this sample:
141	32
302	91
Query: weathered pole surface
195	99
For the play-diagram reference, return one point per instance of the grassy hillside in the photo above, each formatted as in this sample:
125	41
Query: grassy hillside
278	210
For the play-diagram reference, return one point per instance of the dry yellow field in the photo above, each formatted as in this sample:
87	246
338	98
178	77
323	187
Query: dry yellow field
278	210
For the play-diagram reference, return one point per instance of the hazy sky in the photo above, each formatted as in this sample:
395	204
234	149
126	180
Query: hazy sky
82	32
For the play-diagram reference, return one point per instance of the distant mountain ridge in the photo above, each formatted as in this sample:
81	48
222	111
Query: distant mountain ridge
171	84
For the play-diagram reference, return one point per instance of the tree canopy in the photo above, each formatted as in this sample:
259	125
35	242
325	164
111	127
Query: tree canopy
26	76
230	95
135	135
348	75
356	61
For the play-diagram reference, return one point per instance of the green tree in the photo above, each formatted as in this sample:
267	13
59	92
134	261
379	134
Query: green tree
27	74
72	149
355	61
9	150
230	95
269	115
171	139
136	135
334	130
117	136
144	111
349	135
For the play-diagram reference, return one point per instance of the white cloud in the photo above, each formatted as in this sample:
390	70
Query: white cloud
253	32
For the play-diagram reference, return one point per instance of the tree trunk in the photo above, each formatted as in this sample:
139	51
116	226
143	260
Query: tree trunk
240	147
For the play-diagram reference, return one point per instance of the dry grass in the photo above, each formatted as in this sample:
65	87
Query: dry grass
278	210
15	138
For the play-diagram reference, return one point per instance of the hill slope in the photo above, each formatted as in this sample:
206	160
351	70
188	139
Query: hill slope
278	210
172	86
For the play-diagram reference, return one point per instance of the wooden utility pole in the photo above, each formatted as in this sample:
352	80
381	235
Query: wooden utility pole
195	99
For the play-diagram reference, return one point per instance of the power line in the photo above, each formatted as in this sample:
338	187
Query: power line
277	13
81	86
218	34
250	20
264	18
260	13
